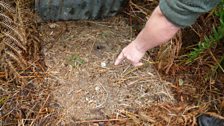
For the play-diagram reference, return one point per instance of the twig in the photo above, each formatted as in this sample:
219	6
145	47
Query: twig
107	95
32	123
139	8
96	121
213	57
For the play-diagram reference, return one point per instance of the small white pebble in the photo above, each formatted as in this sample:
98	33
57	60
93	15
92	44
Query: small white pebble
53	25
51	33
91	101
97	88
103	64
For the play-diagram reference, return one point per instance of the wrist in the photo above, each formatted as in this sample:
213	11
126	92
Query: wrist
139	46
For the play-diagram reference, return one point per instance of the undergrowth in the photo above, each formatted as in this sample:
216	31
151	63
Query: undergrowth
20	43
212	39
24	98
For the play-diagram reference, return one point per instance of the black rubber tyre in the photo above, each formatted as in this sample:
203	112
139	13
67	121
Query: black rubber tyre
77	9
208	120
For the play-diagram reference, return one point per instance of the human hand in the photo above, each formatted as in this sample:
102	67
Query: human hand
157	31
132	54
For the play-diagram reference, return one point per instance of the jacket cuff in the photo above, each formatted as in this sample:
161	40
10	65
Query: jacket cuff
176	13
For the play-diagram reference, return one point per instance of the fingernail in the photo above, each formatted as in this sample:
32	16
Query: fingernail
116	63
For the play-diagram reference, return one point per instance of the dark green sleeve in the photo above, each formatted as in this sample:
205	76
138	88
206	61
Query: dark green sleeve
185	12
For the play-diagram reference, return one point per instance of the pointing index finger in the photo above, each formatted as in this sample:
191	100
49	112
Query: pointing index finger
119	59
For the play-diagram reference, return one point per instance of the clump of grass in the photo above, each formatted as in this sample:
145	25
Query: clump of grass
75	61
212	39
207	52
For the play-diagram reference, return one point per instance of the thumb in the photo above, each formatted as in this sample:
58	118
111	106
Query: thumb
119	59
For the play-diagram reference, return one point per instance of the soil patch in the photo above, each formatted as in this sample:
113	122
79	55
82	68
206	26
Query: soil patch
80	57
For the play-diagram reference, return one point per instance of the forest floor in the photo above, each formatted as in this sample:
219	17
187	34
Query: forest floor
82	86
80	59
89	89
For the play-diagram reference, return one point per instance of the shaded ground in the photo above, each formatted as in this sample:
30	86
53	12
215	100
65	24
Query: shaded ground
80	57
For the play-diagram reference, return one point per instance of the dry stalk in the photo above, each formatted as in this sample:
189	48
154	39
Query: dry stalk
169	52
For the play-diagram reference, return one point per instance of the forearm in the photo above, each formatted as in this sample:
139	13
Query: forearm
163	24
157	30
